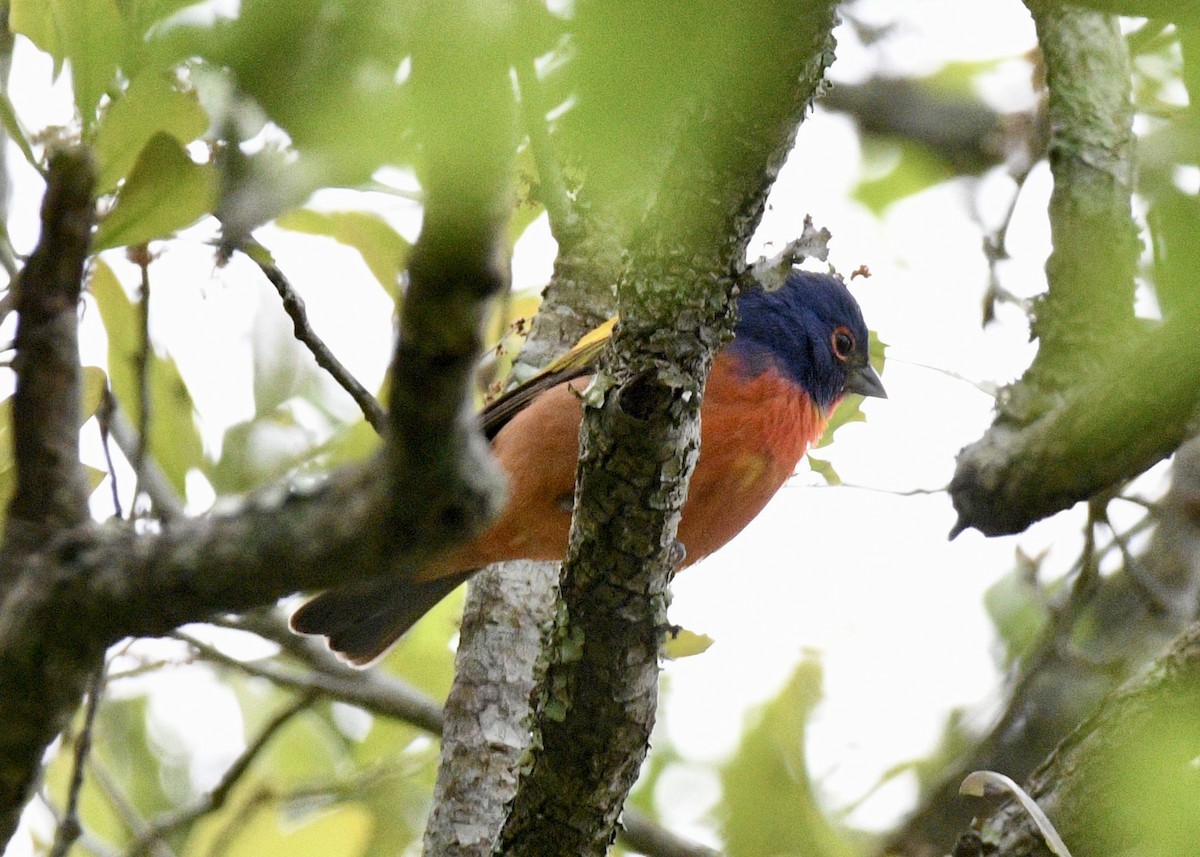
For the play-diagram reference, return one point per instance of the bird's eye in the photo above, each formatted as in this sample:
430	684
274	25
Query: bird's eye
843	343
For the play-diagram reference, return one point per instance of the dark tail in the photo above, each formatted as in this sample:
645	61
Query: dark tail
362	621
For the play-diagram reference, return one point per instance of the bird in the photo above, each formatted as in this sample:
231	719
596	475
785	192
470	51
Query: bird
796	352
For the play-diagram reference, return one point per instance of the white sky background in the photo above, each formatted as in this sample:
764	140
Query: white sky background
863	576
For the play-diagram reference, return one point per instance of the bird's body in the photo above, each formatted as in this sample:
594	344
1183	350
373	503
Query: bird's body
769	394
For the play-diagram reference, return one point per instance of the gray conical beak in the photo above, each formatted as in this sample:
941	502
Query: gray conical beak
865	382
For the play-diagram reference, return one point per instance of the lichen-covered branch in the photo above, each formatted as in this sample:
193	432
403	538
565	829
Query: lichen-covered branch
510	607
1167	10
640	439
487	713
1031	462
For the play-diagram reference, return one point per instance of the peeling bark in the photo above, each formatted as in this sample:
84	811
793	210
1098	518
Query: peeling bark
487	712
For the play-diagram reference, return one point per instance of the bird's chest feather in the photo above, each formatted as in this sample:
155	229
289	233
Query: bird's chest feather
753	433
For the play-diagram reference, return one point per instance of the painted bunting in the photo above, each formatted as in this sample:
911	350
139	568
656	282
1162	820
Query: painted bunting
796	352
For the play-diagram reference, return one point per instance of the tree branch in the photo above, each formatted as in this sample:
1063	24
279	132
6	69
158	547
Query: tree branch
1032	463
597	703
381	694
69	828
161	829
487	713
51	491
964	131
168	504
373	690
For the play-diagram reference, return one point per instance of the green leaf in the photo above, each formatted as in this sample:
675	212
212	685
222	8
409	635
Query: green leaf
768	801
826	468
334	90
151	105
1019	608
382	248
128	755
270	832
165	192
897	170
174	440
14	129
141	15
89	33
94	381
685	644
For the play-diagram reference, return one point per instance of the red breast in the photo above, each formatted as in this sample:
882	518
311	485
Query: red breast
753	432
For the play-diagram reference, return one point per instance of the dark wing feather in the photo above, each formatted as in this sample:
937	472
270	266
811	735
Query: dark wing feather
362	621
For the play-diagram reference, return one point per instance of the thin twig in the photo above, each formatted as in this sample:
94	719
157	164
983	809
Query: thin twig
909	492
264	796
104	414
140	256
995	246
372	691
293	305
270	625
552	189
151	480
69	828
126	812
217	798
85	840
245	812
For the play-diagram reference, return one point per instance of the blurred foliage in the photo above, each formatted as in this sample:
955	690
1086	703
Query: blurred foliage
769	804
1019	607
896	169
163	193
1158	781
239	120
174	441
383	249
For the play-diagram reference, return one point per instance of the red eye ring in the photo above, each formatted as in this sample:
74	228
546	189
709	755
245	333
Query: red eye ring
843	343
